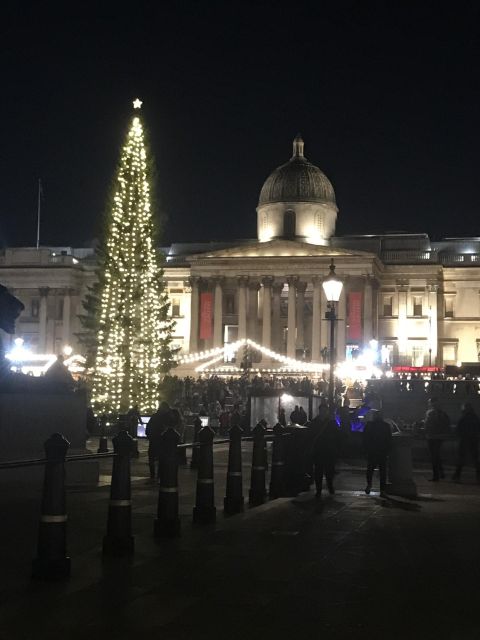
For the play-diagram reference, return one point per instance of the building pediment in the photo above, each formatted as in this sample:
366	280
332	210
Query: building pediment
278	249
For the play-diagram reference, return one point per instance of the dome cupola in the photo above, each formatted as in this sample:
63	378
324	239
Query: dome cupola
297	199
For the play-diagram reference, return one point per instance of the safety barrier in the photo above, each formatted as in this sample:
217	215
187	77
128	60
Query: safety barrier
52	561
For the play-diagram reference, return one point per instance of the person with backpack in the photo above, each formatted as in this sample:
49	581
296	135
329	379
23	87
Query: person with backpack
437	428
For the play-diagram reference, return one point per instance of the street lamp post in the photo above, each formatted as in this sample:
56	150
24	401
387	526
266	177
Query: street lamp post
332	287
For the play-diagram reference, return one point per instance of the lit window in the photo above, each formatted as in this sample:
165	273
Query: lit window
175	307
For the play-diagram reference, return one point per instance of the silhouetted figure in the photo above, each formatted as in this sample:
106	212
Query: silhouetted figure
133	418
437	428
302	416
58	372
325	452
158	423
282	418
295	415
377	440
468	431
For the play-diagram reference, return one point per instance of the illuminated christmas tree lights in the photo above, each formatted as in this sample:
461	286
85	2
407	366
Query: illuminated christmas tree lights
130	307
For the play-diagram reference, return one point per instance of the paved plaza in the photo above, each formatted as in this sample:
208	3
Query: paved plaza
349	566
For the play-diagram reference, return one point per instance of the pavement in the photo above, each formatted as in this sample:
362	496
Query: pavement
347	566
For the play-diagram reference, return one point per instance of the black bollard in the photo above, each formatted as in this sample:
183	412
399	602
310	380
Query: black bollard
258	492
167	522
277	477
119	540
103	445
52	562
204	510
197	427
233	501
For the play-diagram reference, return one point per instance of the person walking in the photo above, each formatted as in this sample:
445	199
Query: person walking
468	431
437	428
325	451
377	440
158	423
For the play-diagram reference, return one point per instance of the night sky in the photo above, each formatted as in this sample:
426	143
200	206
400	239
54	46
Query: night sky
385	94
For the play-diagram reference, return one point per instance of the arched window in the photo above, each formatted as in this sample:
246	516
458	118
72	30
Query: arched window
289	224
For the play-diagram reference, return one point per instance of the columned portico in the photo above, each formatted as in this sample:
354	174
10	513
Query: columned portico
194	310
291	318
66	316
433	323
267	312
367	311
242	307
253	287
277	289
42	342
218	312
341	326
301	288
316	318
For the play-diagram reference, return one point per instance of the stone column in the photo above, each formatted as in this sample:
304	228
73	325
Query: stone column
301	288
367	311
341	325
433	323
324	324
402	332
267	312
292	338
242	307
277	289
253	288
316	318
218	313
194	282
42	341
66	316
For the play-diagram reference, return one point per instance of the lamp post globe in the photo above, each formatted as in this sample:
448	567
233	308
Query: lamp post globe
332	286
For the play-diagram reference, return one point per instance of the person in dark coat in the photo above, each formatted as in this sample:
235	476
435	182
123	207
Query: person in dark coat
325	451
302	416
158	423
468	431
377	441
282	418
437	428
294	416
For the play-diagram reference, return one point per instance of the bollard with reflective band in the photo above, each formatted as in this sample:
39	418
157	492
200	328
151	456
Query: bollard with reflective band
204	510
52	562
233	501
167	522
197	427
119	540
258	492
277	475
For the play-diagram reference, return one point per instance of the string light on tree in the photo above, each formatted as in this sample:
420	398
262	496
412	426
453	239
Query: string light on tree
133	332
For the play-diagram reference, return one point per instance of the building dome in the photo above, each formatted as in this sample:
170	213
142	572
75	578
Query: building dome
298	180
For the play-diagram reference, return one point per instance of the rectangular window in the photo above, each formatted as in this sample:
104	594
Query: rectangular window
175	307
60	309
449	353
417	306
388	306
35	307
449	307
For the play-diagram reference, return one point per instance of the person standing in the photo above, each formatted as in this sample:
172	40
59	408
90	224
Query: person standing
437	428
377	440
302	416
325	452
468	430
160	421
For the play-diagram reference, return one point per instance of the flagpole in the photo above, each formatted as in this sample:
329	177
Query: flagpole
38	211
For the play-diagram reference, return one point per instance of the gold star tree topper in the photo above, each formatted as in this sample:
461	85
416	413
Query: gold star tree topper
137	104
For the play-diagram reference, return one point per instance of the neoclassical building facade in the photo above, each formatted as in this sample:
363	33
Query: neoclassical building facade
419	299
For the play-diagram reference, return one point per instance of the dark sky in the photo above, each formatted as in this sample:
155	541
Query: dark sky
386	95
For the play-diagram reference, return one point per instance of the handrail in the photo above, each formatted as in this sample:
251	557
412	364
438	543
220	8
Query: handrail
13	464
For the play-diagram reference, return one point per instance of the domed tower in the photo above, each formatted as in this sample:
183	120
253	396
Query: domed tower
297	201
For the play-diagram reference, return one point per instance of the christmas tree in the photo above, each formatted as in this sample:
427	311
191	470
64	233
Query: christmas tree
127	321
